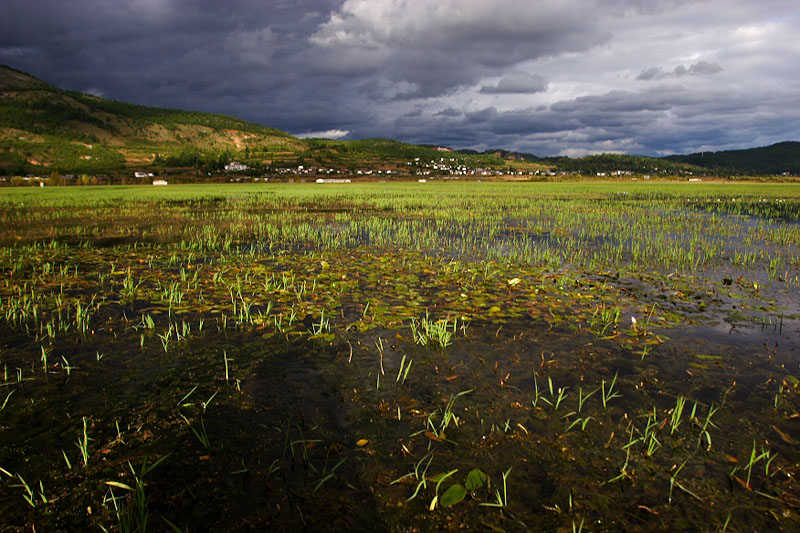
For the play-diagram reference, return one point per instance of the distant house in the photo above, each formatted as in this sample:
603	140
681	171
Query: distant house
233	166
159	182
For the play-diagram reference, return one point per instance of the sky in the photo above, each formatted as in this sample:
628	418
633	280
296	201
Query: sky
548	77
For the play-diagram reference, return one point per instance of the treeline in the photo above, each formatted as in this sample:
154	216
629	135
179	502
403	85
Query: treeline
55	179
592	164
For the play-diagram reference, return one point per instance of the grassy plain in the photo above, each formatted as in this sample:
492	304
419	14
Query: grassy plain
581	356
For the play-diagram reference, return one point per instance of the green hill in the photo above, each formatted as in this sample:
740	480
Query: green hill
43	128
775	159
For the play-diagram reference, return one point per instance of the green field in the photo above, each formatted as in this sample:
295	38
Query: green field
400	356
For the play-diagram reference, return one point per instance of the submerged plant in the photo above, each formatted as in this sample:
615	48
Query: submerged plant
609	394
402	373
135	514
501	500
439	332
83	444
201	433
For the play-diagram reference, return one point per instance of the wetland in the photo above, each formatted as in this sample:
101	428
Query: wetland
400	356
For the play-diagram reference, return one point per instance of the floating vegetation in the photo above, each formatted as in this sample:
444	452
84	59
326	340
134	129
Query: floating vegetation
615	356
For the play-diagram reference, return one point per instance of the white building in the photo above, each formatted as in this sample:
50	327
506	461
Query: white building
233	166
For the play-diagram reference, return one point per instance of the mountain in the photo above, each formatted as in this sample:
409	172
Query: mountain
771	160
774	159
45	129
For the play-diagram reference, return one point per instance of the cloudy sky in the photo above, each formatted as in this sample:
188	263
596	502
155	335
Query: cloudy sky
549	77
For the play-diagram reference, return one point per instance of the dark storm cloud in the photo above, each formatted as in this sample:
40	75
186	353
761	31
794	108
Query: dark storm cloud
432	49
232	57
697	69
450	112
637	122
250	58
517	84
551	76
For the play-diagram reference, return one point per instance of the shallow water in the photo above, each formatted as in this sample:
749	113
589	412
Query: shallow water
281	381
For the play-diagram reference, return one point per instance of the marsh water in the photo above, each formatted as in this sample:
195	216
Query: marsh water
506	357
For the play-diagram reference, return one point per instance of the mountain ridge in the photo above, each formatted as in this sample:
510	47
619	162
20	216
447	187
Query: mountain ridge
773	159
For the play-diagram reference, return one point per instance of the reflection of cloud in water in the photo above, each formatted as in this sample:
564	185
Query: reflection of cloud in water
741	335
744	360
750	354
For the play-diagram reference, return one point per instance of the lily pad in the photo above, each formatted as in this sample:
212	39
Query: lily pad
453	495
475	479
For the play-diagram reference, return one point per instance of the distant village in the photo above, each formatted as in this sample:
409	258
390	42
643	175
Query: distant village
442	168
446	168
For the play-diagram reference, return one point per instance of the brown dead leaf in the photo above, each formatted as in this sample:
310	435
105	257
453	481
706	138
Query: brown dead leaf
786	438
